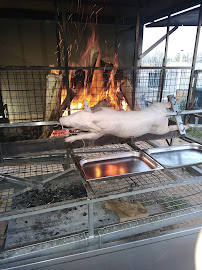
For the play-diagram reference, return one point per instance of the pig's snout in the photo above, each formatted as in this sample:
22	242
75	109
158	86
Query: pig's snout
64	121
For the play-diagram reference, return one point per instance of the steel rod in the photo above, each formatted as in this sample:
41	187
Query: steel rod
21	181
194	57
54	123
91	220
198	116
57	32
162	77
66	77
30	124
100	150
135	59
184	112
87	68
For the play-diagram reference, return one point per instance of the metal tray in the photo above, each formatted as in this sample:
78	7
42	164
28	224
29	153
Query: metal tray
117	165
177	156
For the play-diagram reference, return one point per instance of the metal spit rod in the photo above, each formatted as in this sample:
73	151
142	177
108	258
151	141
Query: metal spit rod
55	123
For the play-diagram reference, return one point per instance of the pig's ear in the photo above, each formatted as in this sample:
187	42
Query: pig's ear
86	106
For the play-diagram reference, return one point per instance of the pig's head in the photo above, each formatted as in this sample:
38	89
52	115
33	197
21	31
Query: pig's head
77	120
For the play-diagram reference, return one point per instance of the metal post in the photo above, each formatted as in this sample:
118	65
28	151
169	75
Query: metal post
1	155
163	72
91	220
116	35
135	59
66	78
57	33
68	159
195	77
194	58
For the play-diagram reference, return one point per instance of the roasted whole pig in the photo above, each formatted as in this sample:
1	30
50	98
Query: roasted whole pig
125	124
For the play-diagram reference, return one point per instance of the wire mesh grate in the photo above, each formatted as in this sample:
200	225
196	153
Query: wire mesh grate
31	170
125	184
143	145
139	181
172	199
5	206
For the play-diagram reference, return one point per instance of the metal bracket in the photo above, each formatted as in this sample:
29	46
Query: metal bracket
178	117
41	184
21	181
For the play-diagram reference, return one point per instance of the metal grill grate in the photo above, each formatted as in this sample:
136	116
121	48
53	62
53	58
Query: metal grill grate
31	170
124	184
143	145
101	150
131	183
172	199
6	205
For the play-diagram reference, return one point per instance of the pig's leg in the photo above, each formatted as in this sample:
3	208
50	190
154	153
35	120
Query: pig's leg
84	136
175	127
172	128
168	104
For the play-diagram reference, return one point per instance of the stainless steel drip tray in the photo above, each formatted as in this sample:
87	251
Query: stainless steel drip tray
117	165
177	156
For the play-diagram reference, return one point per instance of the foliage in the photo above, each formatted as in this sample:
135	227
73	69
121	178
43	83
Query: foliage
194	133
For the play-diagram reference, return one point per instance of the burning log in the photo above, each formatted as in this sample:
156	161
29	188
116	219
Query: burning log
102	103
53	85
93	56
78	80
127	90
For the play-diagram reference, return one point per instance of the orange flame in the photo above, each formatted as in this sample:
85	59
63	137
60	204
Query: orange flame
96	90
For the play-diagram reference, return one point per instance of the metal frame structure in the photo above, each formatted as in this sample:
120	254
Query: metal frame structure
133	252
110	233
97	237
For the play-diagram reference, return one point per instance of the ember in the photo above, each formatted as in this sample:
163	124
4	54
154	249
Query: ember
59	133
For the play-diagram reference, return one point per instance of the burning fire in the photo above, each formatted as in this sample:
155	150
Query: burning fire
96	89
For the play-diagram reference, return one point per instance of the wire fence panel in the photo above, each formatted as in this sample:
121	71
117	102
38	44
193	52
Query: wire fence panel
40	94
198	92
176	82
24	92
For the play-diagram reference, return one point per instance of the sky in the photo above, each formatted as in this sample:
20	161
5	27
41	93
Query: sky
182	39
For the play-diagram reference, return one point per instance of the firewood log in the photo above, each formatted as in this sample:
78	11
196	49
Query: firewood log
51	112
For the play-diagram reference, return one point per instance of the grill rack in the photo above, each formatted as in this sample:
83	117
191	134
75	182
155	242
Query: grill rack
168	194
